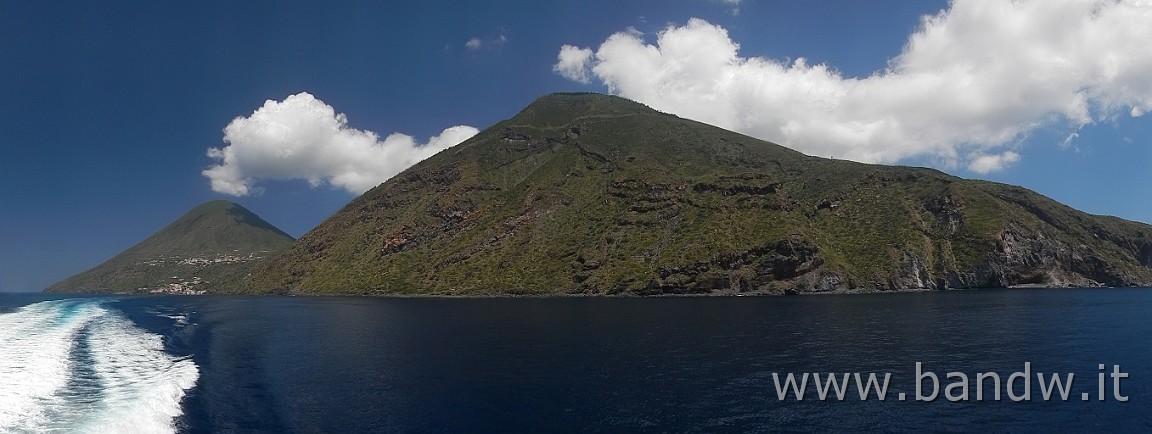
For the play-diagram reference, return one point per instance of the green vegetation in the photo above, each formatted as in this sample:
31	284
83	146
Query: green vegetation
593	194
209	249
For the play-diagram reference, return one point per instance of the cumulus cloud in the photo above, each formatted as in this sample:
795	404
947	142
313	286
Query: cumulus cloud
304	138
573	63
474	44
971	82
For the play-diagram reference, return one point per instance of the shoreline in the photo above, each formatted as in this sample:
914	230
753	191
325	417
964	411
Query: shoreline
581	295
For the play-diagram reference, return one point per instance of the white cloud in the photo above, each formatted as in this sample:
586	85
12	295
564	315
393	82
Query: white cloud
971	82
985	163
1067	142
497	42
572	63
304	138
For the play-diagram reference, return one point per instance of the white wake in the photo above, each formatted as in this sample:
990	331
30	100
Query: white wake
76	366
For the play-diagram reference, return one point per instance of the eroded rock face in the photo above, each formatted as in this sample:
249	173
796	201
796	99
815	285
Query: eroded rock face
1022	257
774	267
947	212
1031	258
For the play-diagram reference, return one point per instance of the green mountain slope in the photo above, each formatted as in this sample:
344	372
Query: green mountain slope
594	194
209	249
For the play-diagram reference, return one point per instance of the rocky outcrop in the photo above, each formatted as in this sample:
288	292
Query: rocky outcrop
1030	258
760	269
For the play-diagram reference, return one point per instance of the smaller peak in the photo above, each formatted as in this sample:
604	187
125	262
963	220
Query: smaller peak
558	109
221	213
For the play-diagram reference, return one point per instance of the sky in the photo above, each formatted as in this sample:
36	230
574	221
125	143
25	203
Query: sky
117	117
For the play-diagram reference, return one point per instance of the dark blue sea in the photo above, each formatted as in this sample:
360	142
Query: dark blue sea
221	364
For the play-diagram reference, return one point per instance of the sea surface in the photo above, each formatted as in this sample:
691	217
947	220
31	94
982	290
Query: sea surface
222	364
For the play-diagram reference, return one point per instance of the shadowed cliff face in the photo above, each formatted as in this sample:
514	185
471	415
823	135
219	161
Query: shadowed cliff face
209	249
593	194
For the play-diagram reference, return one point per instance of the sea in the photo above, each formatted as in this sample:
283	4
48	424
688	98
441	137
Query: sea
226	364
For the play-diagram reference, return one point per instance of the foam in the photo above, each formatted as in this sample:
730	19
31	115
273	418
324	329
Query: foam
35	342
140	385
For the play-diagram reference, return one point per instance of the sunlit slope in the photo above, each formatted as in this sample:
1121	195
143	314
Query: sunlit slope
595	194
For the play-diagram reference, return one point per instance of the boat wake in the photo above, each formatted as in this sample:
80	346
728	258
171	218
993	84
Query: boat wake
77	366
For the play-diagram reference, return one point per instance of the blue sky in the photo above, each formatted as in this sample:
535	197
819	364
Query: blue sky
108	110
